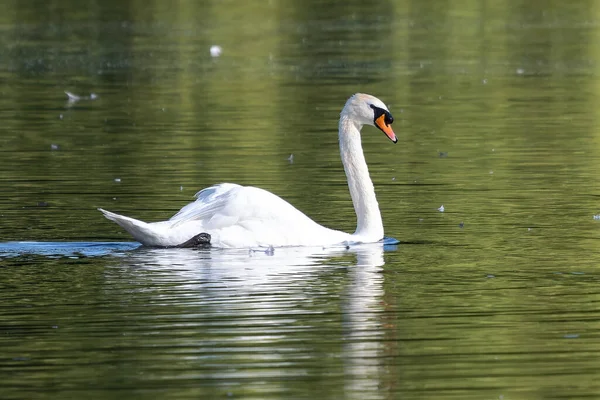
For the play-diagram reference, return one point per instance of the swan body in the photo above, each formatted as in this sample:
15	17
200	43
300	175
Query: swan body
244	216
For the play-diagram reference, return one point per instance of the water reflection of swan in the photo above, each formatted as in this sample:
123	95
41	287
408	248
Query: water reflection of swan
248	269
237	216
267	311
363	347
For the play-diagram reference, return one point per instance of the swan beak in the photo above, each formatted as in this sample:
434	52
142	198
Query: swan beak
385	128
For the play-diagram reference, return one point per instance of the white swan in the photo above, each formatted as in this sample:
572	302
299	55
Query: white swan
244	216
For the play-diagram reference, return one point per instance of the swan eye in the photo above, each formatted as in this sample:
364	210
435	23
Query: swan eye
387	117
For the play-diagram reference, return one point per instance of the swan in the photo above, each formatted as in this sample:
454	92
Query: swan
228	215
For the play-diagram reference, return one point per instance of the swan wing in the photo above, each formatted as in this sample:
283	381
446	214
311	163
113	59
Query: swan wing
228	204
246	216
209	202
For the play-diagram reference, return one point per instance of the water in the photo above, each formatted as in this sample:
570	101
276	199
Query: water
496	114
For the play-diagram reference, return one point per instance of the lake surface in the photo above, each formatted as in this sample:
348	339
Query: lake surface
497	113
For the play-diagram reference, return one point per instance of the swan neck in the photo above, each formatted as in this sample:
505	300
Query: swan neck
369	223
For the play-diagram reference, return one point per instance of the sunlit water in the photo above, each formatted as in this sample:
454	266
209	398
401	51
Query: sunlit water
496	111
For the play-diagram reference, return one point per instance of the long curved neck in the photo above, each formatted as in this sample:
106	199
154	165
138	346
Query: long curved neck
369	222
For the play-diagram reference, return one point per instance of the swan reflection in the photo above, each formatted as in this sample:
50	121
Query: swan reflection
281	313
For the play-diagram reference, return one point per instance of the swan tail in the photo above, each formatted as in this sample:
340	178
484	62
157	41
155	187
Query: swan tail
140	230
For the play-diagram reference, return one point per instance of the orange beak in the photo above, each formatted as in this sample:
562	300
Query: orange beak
387	129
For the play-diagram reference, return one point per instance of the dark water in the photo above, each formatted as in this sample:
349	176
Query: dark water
496	107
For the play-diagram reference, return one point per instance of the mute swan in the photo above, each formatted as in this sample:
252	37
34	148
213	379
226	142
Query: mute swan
237	216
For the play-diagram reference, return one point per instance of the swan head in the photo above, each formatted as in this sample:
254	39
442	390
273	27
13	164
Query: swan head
369	110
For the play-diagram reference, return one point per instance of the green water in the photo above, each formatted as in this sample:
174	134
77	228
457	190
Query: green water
496	108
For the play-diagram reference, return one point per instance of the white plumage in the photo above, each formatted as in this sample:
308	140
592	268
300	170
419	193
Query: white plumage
244	216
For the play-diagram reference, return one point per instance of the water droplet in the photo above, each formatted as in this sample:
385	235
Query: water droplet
270	251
